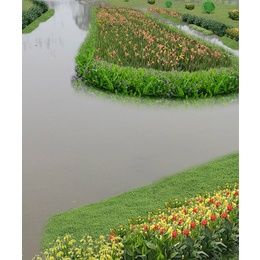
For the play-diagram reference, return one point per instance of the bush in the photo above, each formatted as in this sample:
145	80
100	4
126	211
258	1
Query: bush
31	14
208	7
189	6
168	4
209	24
191	19
198	21
234	15
233	33
151	2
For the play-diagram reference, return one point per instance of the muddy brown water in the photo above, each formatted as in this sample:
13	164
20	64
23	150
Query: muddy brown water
78	149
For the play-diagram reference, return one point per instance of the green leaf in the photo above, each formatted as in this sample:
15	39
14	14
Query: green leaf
144	257
208	232
173	255
228	225
201	253
150	245
128	250
190	242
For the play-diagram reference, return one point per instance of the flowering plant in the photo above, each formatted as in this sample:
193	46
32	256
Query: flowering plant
206	226
233	33
189	6
129	53
151	2
234	15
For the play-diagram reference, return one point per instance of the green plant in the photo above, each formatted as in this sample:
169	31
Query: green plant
151	2
168	4
126	0
233	33
189	6
234	15
208	7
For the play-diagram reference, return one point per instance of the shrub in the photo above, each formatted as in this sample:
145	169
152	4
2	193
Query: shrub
151	2
31	14
209	24
198	21
208	7
234	15
191	19
168	4
189	6
233	33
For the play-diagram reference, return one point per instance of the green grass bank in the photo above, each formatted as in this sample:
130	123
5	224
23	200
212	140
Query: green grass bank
97	218
43	18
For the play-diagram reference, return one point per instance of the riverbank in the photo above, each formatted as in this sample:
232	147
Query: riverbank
97	218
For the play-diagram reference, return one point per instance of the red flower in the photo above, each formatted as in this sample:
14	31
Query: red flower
188	201
146	228
133	228
224	215
227	193
156	227
211	201
168	208
151	218
174	218
230	221
163	217
192	224
113	235
186	232
237	185
201	200
174	234
204	222
210	228
213	217
181	220
218	204
191	237
236	193
185	211
162	230
229	207
195	210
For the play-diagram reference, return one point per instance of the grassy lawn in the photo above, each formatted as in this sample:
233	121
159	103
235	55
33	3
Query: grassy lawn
97	218
41	19
220	13
27	4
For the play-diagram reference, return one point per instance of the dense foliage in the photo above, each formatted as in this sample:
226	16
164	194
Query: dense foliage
206	226
208	7
234	15
168	3
31	14
128	53
189	6
151	2
209	24
233	34
165	12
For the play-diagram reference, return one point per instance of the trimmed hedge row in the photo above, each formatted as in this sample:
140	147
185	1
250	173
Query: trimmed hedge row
209	24
149	82
31	14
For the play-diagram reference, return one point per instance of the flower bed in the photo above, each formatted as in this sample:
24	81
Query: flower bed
233	34
206	226
129	53
234	15
166	12
203	227
31	14
189	6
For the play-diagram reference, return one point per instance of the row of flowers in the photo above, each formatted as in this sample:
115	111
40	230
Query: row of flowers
202	227
129	53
